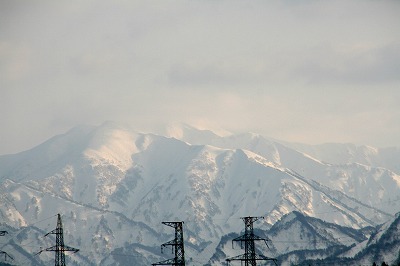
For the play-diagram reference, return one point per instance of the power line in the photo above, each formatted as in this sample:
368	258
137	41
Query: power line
59	248
250	257
177	245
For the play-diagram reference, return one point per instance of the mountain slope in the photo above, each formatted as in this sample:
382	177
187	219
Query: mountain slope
115	186
349	153
293	239
356	171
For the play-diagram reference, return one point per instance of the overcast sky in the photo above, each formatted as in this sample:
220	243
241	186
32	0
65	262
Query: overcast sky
301	71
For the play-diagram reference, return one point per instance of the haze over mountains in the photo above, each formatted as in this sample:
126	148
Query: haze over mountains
114	186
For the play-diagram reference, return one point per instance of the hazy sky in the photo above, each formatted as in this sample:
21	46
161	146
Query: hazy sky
303	71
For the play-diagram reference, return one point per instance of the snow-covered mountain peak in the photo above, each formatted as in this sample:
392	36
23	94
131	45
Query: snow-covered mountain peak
193	134
112	145
115	186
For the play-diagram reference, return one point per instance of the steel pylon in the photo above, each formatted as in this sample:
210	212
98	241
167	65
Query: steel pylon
59	248
250	257
177	245
6	255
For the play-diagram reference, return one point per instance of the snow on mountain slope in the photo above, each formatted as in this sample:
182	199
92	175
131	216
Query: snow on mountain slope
382	246
294	238
115	186
298	232
300	240
46	158
96	232
353	170
337	153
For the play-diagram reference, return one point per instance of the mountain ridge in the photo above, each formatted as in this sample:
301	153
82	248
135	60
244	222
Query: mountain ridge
112	175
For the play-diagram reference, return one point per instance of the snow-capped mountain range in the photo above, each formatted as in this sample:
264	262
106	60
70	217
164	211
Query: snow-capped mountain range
114	186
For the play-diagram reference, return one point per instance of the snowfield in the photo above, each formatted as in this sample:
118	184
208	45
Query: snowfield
114	186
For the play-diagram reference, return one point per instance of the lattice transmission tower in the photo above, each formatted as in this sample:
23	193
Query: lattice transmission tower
59	248
177	245
250	257
6	255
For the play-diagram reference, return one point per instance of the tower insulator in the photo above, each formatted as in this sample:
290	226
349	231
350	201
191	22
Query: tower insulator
59	248
250	257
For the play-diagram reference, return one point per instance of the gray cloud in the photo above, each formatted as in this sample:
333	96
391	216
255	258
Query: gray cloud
355	66
306	71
